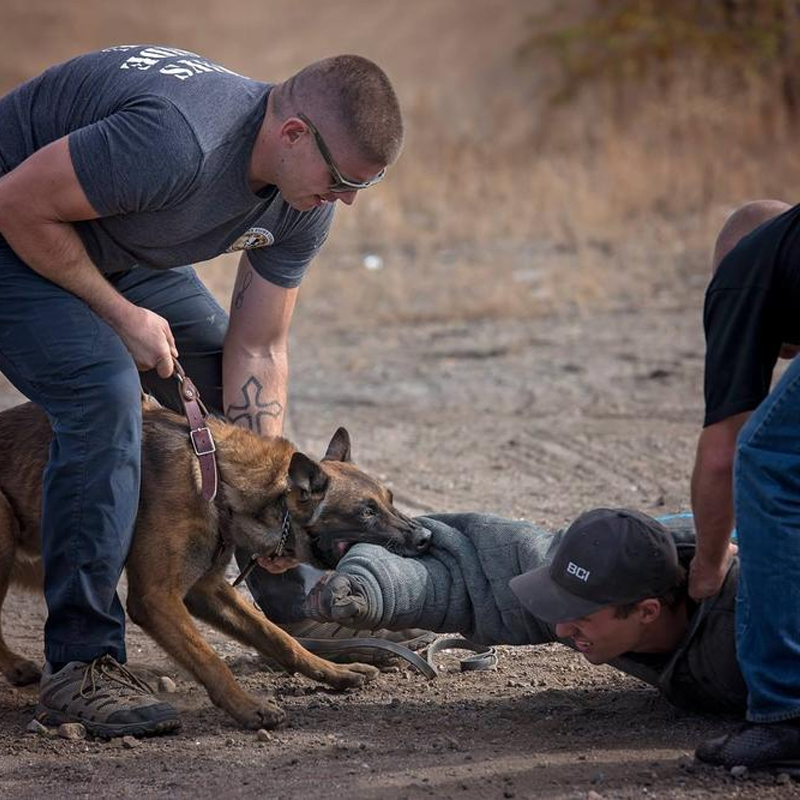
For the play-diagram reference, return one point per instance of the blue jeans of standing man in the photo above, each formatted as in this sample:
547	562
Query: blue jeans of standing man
767	499
65	358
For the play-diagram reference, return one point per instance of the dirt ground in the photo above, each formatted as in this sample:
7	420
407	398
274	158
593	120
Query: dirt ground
529	416
535	418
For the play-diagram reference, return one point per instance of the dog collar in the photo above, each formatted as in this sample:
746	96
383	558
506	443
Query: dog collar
286	526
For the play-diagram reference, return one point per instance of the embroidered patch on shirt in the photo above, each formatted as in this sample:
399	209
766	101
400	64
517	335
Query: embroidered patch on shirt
255	237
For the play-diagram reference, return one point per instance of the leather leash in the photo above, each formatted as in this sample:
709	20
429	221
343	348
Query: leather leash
199	433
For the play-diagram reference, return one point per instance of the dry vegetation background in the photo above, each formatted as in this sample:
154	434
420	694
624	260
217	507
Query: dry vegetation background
559	154
562	157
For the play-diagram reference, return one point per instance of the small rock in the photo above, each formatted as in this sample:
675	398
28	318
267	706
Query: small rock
166	685
129	742
34	726
689	764
593	795
373	262
739	771
598	777
72	730
263	735
783	778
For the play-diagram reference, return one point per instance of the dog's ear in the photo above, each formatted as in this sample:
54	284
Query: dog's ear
306	476
339	448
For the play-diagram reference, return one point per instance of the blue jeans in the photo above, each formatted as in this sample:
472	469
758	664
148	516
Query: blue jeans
65	358
767	499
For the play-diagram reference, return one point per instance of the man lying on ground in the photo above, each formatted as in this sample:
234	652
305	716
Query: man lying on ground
612	586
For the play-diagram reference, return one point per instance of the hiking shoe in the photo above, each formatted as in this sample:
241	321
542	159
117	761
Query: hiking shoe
775	745
347	645
106	698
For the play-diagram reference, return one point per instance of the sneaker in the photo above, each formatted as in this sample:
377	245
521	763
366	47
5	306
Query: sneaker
347	645
106	698
774	746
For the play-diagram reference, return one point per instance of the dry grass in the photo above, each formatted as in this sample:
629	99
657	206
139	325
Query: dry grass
500	205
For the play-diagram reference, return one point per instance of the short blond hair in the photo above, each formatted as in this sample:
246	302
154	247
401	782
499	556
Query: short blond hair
353	93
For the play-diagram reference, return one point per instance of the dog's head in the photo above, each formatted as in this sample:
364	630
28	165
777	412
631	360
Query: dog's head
334	504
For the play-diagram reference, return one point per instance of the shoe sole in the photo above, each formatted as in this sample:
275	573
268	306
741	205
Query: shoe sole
366	649
110	730
374	651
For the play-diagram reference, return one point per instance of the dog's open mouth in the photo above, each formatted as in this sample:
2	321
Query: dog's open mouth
341	546
328	550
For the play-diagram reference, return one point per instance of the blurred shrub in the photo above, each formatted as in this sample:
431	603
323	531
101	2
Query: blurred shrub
634	41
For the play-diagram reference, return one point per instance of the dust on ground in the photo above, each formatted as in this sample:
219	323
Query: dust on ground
536	418
520	414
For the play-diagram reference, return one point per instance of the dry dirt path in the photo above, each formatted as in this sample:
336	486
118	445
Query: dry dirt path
537	419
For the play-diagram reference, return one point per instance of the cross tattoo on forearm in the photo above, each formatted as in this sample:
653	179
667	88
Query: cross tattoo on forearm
253	408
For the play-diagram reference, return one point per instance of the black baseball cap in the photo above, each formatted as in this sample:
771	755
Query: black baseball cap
607	557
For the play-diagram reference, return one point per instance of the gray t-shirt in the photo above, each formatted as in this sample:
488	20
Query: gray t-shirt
161	141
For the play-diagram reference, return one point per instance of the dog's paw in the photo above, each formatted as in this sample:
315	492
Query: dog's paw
22	672
263	715
351	676
367	670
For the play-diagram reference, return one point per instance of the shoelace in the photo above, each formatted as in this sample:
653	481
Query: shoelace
108	667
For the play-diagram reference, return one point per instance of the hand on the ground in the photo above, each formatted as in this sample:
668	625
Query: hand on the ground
148	339
706	576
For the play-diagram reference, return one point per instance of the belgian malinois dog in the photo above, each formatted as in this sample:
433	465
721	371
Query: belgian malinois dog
182	543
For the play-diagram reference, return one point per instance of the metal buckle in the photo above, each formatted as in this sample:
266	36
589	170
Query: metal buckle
197	451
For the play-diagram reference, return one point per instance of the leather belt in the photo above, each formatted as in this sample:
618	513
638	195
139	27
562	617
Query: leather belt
483	658
199	433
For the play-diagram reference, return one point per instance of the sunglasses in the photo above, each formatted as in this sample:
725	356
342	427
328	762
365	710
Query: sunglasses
340	183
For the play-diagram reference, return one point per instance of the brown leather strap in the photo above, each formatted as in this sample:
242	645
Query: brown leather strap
199	433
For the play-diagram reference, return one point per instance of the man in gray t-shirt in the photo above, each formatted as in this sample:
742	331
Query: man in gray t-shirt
118	169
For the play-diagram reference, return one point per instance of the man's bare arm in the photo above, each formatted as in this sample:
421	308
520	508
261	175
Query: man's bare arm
38	202
255	359
712	505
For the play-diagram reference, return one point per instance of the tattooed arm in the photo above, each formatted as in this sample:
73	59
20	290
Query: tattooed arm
255	359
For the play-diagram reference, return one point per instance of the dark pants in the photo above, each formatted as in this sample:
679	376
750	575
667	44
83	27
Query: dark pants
66	359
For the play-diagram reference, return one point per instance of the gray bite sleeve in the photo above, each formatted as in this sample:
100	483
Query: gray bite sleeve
460	585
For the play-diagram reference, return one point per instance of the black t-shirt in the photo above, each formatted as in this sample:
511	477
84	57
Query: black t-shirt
752	307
